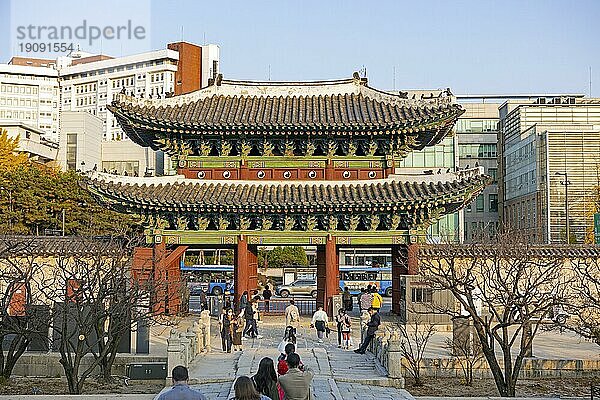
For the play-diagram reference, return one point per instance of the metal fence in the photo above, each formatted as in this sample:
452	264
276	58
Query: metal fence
278	306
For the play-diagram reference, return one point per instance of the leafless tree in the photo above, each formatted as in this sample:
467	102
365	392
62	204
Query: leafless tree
19	320
507	288
413	342
97	300
466	350
581	313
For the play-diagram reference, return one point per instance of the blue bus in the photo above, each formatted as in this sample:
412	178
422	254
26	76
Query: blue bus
358	277
211	279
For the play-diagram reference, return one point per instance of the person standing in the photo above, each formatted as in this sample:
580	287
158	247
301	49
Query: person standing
296	383
377	301
225	324
343	327
255	316
265	379
319	322
292	315
282	365
346	324
267	294
367	299
180	388
347	299
372	327
244	390
238	330
359	299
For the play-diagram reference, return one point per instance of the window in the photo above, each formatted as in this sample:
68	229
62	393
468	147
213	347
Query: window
493	197
422	295
493	172
480	203
72	151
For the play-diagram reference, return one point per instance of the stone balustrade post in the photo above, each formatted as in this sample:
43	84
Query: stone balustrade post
198	331
205	322
173	352
191	336
394	359
185	350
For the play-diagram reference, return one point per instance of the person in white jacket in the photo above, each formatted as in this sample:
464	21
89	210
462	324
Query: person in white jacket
320	320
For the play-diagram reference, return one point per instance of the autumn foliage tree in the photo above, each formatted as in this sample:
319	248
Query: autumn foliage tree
34	197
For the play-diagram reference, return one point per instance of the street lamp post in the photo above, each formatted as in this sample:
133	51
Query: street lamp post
566	182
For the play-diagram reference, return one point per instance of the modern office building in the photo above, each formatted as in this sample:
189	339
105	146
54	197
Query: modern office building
29	95
549	166
476	132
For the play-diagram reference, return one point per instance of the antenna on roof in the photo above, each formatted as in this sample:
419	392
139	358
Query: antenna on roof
394	79
269	71
182	33
590	81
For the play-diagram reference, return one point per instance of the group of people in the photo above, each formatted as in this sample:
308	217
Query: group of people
233	327
369	297
291	380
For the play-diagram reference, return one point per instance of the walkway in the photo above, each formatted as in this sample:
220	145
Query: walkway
339	374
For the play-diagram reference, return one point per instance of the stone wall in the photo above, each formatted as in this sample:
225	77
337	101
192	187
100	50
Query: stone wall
48	365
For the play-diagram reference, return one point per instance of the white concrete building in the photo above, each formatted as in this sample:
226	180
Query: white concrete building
80	141
90	86
30	95
32	141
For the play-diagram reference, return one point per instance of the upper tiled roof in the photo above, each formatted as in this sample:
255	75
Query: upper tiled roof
206	196
313	108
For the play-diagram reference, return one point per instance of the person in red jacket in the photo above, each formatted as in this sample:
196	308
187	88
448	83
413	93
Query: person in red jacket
282	365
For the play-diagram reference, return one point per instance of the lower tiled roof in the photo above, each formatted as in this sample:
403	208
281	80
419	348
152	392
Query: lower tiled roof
535	250
206	196
39	246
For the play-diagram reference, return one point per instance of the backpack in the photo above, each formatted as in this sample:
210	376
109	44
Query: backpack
294	315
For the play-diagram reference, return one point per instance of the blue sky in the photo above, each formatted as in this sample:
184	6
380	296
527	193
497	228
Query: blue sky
475	46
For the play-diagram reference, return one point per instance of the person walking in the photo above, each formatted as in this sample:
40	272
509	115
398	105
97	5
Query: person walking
296	383
377	301
292	315
244	390
265	379
347	299
237	330
249	317
338	321
359	299
267	294
225	325
180	388
372	327
319	322
244	300
255	316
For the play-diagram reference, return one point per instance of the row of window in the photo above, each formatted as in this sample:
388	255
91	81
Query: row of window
88	87
121	68
488	150
480	203
521	182
476	125
477	228
522	154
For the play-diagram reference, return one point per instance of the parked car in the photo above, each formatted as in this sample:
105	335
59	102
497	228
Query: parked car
300	286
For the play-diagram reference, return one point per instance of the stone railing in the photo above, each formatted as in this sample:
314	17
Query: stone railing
386	349
184	347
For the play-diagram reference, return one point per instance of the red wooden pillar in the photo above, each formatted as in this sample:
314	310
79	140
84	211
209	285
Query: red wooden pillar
245	273
404	262
328	274
329	171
